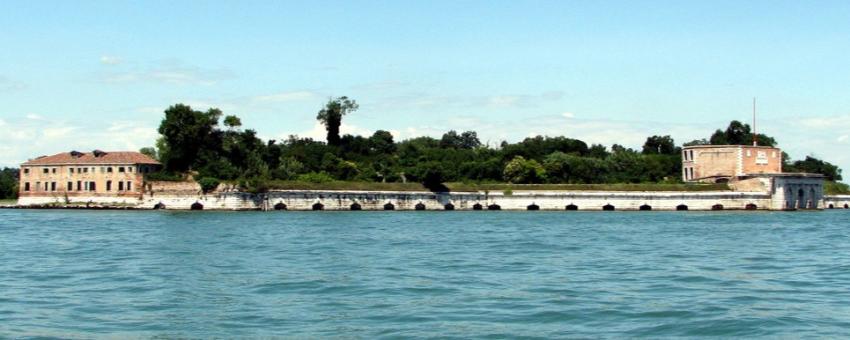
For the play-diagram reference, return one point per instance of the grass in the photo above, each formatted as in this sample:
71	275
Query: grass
502	187
8	201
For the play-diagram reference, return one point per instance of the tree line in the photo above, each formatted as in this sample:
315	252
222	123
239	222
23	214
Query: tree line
192	140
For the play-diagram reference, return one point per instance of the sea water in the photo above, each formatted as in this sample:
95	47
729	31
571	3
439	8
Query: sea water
163	274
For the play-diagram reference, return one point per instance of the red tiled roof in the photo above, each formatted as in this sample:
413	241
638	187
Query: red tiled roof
110	157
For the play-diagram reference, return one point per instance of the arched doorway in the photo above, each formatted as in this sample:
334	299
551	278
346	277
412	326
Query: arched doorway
389	206
571	207
645	207
318	206
449	206
533	207
356	206
419	206
477	206
494	207
717	207
751	206
280	206
159	206
608	207
197	206
681	207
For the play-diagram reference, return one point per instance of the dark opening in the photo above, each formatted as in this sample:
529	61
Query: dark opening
318	206
533	207
572	207
419	206
645	207
608	207
717	207
477	207
197	206
494	207
831	206
681	207
159	206
389	206
356	206
751	206
449	206
721	180
846	206
280	206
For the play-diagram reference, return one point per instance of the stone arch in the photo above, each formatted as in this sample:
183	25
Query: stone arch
813	201
494	206
608	207
197	206
389	206
419	206
681	207
571	207
831	206
717	207
533	207
801	199
751	206
318	206
477	206
280	206
449	206
645	207
356	206
159	206
846	206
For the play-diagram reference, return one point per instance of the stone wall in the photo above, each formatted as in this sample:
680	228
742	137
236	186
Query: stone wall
837	202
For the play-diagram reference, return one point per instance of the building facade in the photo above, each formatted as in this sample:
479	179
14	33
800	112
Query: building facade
721	163
96	176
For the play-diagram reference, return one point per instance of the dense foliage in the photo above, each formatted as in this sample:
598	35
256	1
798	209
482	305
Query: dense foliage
9	183
192	141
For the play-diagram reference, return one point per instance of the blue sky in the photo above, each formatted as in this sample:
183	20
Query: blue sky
90	74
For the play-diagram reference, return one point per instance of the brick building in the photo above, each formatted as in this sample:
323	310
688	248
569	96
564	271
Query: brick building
96	176
720	163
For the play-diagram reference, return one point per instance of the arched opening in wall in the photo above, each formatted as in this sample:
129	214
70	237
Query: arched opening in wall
846	206
721	180
449	206
681	207
813	202
389	206
197	206
419	206
717	207
831	206
318	206
572	207
608	207
280	206
477	206
159	206
801	202
751	206
494	207
356	206
533	207
645	207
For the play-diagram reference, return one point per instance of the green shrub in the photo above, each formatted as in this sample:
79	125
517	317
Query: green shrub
208	184
316	177
165	176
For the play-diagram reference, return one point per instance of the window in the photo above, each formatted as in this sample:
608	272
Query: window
129	186
120	169
749	154
52	186
108	185
26	170
71	170
79	185
685	155
129	169
46	170
70	186
27	186
53	170
691	152
692	172
120	186
37	186
92	186
86	170
46	186
102	169
109	169
773	154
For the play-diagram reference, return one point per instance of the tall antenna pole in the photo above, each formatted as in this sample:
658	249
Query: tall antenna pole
755	134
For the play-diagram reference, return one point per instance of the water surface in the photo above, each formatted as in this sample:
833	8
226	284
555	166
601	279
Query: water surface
118	274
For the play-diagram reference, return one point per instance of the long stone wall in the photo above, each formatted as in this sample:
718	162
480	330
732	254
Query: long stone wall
522	200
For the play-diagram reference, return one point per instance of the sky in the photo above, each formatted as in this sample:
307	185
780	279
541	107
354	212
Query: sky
80	75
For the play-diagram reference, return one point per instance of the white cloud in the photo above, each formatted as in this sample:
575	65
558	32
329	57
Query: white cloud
842	138
170	72
34	116
568	115
286	96
110	60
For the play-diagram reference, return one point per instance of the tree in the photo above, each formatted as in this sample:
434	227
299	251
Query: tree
738	133
520	170
331	116
816	166
660	145
9	183
382	143
149	151
186	134
232	122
